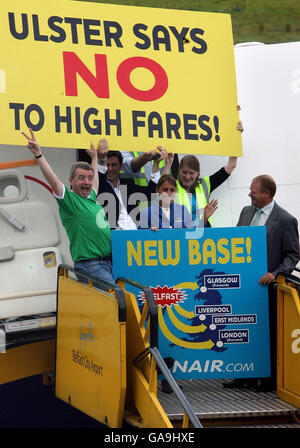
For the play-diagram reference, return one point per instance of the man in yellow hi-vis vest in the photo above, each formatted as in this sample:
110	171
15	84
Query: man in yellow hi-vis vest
138	165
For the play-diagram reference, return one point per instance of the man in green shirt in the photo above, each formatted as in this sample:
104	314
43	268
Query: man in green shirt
83	218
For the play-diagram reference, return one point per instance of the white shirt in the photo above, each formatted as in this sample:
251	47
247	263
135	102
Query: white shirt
266	211
125	222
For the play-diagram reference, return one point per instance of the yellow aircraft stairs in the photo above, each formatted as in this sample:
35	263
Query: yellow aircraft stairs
100	356
107	356
107	359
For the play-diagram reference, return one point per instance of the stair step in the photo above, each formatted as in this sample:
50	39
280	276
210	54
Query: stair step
211	402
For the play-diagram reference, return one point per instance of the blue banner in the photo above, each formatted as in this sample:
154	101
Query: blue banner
213	313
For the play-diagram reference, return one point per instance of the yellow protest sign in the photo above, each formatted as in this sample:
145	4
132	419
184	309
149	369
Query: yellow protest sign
76	72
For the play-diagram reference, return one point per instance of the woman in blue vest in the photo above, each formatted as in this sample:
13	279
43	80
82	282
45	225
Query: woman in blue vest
164	213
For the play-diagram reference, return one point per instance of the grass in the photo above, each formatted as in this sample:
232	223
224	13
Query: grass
268	21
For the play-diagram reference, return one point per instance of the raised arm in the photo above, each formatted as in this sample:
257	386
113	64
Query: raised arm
231	165
232	161
138	162
162	156
102	151
52	179
94	164
168	163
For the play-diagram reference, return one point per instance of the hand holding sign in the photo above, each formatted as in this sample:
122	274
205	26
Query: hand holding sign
102	151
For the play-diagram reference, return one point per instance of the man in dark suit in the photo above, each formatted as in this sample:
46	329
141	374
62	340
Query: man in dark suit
282	228
282	255
121	197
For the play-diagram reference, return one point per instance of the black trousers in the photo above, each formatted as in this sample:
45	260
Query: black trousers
272	296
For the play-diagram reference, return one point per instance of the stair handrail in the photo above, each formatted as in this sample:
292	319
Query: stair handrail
153	339
290	277
176	389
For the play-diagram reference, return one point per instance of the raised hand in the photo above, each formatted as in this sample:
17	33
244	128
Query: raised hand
92	152
102	150
48	172
170	158
32	145
210	209
163	153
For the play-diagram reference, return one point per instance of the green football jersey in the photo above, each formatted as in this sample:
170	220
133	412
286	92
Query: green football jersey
86	225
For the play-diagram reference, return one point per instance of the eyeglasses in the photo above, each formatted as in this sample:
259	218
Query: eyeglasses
81	177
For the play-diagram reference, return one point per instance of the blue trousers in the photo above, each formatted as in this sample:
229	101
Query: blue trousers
100	269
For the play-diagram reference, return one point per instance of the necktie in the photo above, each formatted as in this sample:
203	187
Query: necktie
257	217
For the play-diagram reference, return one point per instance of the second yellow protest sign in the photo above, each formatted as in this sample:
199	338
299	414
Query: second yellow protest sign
76	72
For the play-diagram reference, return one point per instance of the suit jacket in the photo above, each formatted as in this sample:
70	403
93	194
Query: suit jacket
282	238
110	201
